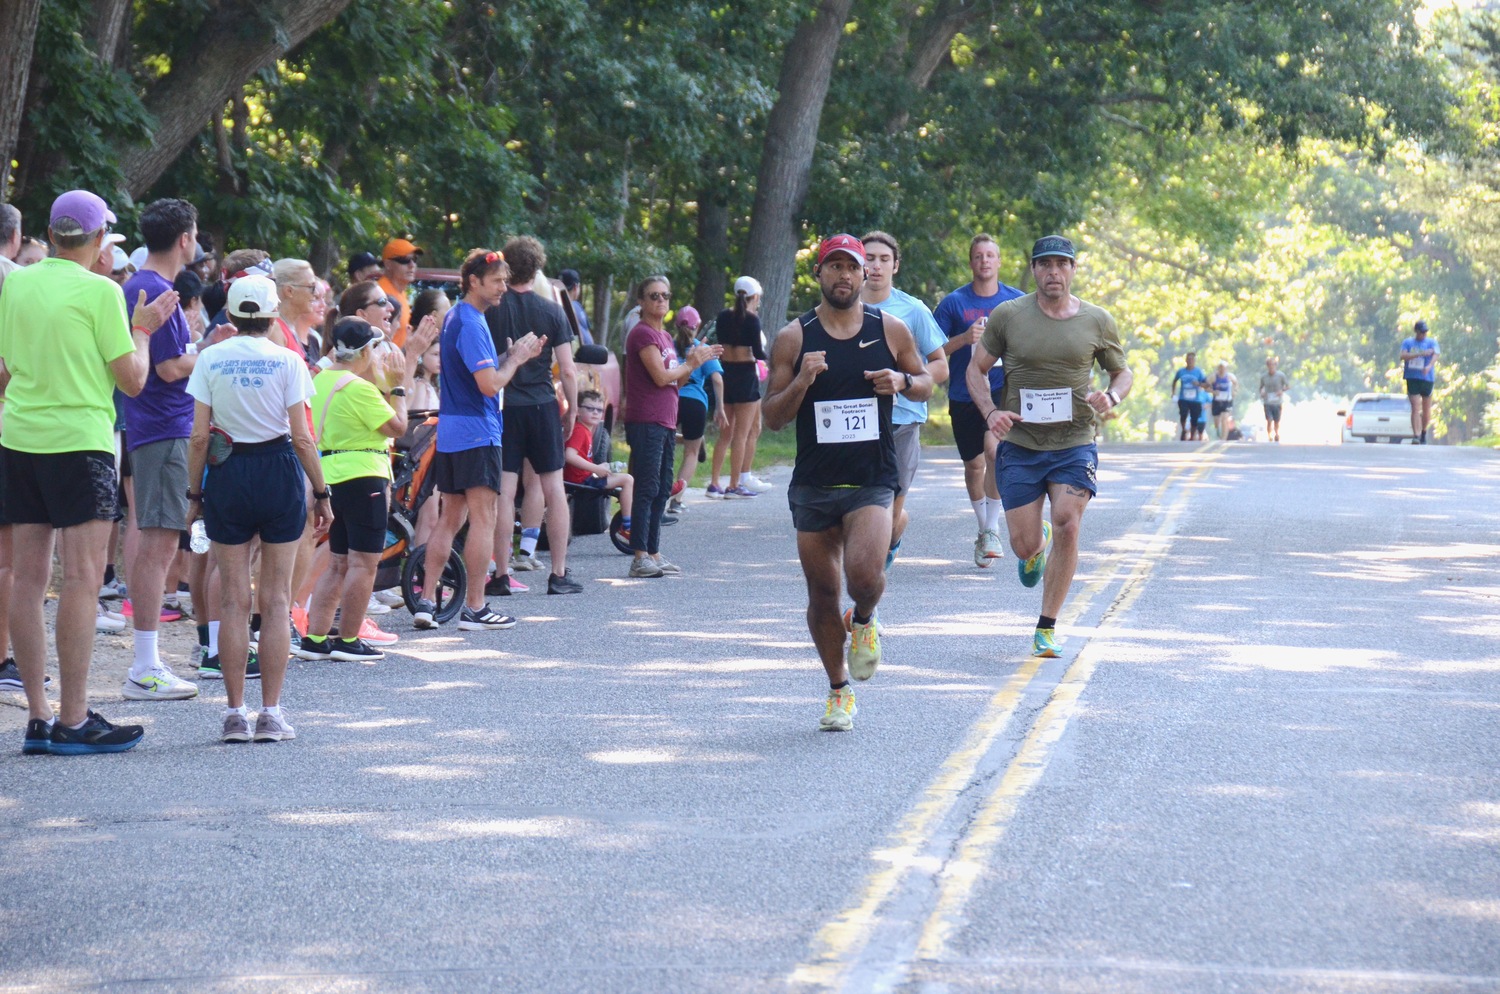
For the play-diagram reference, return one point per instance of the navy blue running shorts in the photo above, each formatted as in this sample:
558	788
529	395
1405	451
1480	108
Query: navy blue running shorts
1023	474
258	490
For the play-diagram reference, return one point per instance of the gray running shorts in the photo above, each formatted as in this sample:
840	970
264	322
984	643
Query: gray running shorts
160	474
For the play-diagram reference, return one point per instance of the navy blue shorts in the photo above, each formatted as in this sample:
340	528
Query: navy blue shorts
256	491
1023	474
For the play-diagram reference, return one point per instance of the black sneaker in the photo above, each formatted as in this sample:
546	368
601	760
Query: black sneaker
96	735
38	741
425	616
308	647
10	676
210	669
355	650
564	584
483	620
499	586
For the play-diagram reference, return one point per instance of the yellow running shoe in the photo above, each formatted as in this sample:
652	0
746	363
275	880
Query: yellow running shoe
839	711
863	654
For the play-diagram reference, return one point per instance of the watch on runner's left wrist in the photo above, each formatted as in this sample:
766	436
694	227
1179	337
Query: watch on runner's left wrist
908	381
1114	398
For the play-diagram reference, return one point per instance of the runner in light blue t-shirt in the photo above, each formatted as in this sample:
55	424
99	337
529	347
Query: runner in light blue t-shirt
882	263
1419	368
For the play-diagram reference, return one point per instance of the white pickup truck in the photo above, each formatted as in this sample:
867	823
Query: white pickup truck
1378	417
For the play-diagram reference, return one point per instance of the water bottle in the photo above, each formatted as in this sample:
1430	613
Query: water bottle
198	537
617	467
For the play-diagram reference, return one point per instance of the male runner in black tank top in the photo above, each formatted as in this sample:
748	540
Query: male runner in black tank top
835	370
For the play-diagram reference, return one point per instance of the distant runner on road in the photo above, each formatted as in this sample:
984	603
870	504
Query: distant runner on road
1224	385
1273	388
835	370
1187	385
1419	367
1049	341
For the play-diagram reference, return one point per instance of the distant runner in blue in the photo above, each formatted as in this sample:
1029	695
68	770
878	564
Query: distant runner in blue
1419	366
1187	386
962	315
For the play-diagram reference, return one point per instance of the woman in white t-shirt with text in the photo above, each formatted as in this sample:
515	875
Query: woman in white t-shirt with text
255	392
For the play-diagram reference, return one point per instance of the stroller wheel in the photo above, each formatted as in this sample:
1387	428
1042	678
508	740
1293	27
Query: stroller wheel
448	595
617	533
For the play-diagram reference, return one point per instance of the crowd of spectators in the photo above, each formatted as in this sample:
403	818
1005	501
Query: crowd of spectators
206	432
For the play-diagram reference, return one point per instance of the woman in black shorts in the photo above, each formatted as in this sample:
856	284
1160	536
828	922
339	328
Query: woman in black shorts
738	330
354	421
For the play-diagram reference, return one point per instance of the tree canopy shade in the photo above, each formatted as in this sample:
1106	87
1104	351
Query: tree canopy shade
1181	139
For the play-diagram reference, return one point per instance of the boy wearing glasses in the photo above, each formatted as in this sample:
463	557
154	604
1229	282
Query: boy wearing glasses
581	468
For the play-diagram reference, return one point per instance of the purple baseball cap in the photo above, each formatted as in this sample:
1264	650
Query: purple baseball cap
79	212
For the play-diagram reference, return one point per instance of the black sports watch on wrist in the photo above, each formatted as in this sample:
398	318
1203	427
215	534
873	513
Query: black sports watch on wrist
195	495
908	381
324	495
398	391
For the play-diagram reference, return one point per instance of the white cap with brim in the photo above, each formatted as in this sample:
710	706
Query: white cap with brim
253	297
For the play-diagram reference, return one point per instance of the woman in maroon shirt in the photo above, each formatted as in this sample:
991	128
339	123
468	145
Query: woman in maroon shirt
652	373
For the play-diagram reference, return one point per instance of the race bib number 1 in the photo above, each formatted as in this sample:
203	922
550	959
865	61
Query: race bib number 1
847	421
1047	407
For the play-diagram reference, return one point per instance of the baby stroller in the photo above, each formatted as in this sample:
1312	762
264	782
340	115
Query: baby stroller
402	562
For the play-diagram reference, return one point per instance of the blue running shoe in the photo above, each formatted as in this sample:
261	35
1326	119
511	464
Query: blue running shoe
96	735
1044	643
890	556
1031	569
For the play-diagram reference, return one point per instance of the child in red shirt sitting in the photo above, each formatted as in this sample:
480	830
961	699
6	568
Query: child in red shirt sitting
578	466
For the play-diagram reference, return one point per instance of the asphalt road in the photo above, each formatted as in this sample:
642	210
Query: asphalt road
1267	763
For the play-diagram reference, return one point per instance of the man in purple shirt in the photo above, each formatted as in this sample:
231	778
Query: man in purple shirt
157	424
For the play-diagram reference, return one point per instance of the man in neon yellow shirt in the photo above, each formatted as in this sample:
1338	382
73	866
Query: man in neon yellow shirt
65	344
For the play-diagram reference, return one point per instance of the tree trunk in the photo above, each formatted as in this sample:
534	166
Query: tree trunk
226	55
786	162
18	21
111	29
712	251
934	39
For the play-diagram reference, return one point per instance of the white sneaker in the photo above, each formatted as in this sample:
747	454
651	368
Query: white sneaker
993	548
391	597
525	562
752	482
104	623
158	685
377	607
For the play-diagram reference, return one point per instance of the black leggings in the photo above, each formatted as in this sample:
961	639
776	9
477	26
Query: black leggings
652	452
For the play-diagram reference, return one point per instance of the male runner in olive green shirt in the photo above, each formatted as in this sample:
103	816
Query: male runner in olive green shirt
1049	341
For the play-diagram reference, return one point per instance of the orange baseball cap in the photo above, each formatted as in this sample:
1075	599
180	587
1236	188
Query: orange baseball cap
399	247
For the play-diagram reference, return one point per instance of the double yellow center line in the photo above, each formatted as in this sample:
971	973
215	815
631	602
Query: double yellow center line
917	858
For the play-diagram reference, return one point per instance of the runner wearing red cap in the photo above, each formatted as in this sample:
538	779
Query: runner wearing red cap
835	370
